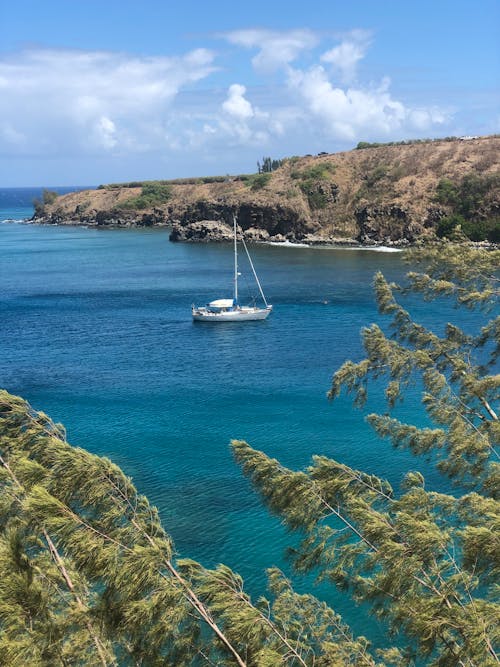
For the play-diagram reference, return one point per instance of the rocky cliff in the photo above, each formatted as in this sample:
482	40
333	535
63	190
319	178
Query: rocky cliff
390	194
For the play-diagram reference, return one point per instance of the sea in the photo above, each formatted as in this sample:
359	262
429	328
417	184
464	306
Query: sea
96	331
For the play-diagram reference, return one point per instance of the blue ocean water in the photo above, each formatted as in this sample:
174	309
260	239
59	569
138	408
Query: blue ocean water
96	331
17	203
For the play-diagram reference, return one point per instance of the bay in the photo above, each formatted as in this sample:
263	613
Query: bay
96	331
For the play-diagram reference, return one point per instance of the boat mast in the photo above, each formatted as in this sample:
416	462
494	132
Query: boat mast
235	263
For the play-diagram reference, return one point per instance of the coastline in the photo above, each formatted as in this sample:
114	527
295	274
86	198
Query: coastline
326	244
330	200
320	244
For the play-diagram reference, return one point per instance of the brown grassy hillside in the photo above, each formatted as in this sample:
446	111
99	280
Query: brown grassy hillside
388	194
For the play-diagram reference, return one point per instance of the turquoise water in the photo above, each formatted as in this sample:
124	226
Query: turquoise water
96	331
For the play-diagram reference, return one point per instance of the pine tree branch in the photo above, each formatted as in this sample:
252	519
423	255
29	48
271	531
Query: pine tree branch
60	565
224	583
488	408
426	584
197	604
188	593
264	618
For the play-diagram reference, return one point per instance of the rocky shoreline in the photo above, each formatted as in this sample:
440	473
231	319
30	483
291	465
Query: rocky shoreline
223	236
257	225
393	196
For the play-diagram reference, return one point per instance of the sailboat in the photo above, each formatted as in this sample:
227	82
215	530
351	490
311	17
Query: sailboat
230	310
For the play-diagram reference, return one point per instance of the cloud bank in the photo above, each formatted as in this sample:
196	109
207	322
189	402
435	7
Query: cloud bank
62	100
305	90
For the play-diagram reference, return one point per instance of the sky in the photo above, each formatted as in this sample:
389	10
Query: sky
106	91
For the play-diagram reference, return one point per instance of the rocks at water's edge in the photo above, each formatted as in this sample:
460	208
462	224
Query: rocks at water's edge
387	195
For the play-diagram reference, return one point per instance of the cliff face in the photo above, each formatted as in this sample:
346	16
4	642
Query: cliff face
386	194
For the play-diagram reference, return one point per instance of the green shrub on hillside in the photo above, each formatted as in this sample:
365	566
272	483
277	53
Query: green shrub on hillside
311	183
448	226
376	175
119	186
404	142
466	200
453	226
316	195
317	200
447	192
48	197
258	181
153	194
319	171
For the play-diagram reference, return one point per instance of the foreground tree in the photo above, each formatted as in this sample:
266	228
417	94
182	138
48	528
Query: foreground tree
426	562
89	576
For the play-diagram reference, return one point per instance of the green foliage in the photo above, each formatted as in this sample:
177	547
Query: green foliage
397	172
447	227
453	226
175	181
319	171
268	165
479	230
372	180
406	142
447	192
425	562
48	198
88	576
473	190
316	195
377	174
119	186
315	183
466	199
258	181
153	194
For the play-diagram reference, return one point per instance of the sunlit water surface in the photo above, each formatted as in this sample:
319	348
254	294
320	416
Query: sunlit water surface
96	331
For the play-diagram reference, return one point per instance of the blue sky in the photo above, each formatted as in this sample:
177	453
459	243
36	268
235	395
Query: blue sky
100	91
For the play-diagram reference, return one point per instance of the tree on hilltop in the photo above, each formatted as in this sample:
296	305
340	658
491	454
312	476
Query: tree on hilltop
48	198
268	165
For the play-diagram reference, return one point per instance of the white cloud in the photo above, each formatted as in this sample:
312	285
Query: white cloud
422	119
11	137
76	104
326	97
73	100
345	57
275	48
241	121
349	113
236	105
106	132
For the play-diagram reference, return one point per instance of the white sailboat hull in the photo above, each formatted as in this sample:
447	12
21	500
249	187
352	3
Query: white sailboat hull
229	310
238	314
